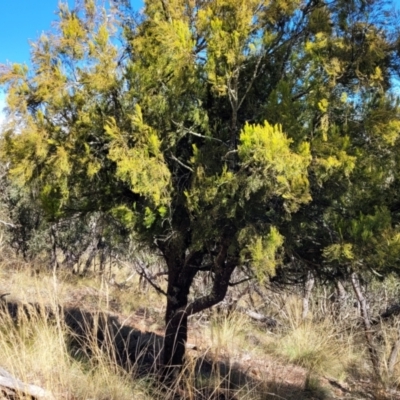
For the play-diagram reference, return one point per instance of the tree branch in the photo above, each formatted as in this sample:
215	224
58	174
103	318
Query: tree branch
10	382
3	295
181	163
188	130
218	291
231	284
250	85
144	272
7	224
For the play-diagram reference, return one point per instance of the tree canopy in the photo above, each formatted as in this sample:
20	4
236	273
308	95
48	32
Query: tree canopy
232	134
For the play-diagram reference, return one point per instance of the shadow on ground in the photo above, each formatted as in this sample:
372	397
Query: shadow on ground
141	352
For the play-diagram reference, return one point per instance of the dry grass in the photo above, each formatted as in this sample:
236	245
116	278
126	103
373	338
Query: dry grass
237	358
36	352
225	333
317	346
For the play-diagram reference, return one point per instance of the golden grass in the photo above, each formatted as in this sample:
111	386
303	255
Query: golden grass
225	333
317	346
37	350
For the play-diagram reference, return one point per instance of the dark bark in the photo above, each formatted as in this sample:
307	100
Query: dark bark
180	278
181	272
389	312
176	320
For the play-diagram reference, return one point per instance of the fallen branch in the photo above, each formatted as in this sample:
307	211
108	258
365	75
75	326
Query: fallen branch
270	322
3	295
7	224
10	382
337	384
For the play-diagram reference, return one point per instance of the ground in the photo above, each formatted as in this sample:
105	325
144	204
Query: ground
229	356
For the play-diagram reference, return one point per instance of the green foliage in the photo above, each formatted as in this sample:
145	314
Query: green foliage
262	251
217	132
339	252
265	154
142	167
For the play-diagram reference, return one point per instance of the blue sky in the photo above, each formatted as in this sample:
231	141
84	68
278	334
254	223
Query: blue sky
22	21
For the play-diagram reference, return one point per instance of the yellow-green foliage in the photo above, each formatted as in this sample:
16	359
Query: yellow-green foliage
210	126
142	166
265	151
210	189
44	145
339	252
226	26
262	252
119	127
373	239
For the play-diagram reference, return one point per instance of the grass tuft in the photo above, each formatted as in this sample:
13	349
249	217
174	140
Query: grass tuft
35	350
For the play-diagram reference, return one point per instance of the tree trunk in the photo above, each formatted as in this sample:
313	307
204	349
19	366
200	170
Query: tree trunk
367	325
53	260
176	318
338	299
175	334
180	279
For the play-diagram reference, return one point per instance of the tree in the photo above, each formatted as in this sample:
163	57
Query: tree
351	226
195	125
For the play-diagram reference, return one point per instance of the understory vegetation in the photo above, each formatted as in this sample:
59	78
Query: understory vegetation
201	199
231	354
